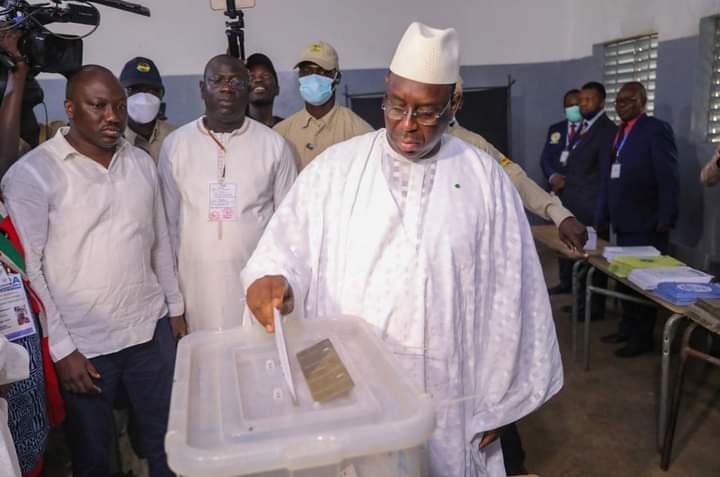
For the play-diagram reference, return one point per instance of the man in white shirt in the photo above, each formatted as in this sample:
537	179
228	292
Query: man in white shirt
223	175
88	209
424	237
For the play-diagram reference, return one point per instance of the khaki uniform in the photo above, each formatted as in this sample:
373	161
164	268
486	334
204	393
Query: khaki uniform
534	198
46	132
308	136
153	146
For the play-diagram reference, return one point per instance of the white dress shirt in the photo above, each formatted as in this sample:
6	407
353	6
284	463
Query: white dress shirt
259	166
96	245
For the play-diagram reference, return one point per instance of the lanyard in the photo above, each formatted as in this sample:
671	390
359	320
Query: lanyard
220	173
619	147
221	167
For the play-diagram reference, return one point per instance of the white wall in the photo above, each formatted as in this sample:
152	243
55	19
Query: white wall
605	20
183	34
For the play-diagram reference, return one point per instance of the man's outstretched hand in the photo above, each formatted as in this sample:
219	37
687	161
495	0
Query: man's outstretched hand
573	234
267	294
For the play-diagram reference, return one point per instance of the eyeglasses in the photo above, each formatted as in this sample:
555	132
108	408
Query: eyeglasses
621	101
425	117
235	83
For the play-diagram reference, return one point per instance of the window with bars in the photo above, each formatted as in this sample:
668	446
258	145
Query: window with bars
631	59
713	124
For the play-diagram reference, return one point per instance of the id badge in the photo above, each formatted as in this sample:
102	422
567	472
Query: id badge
223	202
615	171
16	319
4	277
564	157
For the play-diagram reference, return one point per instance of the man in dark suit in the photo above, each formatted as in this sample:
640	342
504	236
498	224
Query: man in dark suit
580	177
639	199
581	167
558	138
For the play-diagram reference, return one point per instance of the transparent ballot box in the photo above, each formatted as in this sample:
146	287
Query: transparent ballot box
231	412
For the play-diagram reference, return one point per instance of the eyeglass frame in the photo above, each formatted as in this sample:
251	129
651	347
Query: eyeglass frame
236	84
436	116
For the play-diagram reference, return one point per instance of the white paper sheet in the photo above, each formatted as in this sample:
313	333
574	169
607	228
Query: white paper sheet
283	353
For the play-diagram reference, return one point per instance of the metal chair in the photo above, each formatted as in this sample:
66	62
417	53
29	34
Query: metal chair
704	314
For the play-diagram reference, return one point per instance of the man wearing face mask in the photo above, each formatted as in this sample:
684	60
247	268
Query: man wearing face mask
560	137
321	123
146	127
223	176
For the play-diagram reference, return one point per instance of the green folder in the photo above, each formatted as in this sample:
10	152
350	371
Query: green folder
622	266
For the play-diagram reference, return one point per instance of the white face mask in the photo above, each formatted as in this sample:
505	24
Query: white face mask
143	108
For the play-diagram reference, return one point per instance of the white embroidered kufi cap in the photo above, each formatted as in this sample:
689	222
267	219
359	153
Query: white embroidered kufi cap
428	55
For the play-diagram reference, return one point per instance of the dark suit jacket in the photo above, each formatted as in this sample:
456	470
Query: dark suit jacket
554	145
646	193
583	169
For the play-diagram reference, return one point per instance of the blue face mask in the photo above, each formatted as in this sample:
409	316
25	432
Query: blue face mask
573	114
316	89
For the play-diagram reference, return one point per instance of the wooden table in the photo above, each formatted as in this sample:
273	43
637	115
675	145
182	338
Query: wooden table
669	331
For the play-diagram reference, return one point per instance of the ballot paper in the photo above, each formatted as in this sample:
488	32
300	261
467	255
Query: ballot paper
591	243
283	353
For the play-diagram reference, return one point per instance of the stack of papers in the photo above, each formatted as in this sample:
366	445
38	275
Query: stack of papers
644	251
650	278
623	266
684	294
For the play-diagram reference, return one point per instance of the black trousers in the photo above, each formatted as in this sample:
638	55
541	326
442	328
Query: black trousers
512	449
638	321
145	372
565	267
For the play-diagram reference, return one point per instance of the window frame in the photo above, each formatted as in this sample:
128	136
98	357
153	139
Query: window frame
630	59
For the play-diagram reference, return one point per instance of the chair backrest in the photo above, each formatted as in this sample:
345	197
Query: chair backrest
706	313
